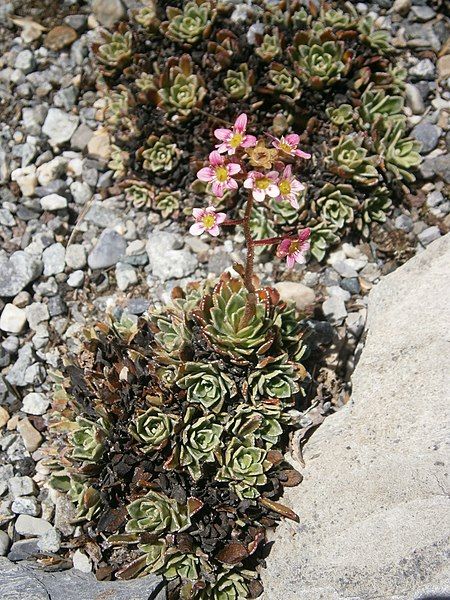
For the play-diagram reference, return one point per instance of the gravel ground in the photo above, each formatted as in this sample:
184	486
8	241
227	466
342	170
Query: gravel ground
72	250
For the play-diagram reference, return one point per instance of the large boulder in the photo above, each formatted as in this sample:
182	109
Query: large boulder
26	581
374	504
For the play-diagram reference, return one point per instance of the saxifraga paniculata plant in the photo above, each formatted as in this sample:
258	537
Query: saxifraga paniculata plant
327	73
176	425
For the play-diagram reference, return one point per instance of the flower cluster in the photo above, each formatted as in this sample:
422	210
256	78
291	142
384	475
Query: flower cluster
232	162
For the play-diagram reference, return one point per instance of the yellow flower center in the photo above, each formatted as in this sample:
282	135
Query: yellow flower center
263	183
285	187
236	140
209	221
293	247
285	147
221	174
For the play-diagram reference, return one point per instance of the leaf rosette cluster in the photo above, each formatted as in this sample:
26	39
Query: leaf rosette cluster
326	72
178	424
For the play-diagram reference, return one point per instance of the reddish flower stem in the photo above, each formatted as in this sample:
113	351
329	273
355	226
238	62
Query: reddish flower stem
231	222
250	243
269	241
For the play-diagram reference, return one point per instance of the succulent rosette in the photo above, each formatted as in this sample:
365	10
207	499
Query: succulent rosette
261	422
274	378
154	429
157	514
88	440
206	385
222	317
245	467
199	443
189	25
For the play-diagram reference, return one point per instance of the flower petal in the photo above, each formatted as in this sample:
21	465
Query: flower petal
223	134
292	139
290	261
198	213
233	168
220	218
222	148
259	195
231	184
249	141
248	183
197	229
273	190
205	174
287	173
215	230
293	201
217	188
283	248
296	186
216	159
302	154
241	123
304	234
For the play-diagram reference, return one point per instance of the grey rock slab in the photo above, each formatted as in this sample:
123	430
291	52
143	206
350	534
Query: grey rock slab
4	543
28	525
17	373
334	309
99	214
53	202
17	272
12	319
429	234
291	291
29	582
26	505
75	279
50	541
373	505
59	126
54	258
428	135
424	69
35	403
36	313
108	12
76	256
125	276
110	248
17	584
21	486
166	261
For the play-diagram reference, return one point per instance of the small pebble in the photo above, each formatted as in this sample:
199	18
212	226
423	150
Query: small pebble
26	505
12	319
35	403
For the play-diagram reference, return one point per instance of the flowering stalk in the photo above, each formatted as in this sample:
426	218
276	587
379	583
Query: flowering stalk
269	177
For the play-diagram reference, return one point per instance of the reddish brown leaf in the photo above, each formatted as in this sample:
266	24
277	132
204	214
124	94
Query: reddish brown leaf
293	478
282	510
233	553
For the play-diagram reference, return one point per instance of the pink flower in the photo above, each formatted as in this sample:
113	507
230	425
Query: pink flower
262	184
294	250
289	187
235	138
289	144
206	219
220	174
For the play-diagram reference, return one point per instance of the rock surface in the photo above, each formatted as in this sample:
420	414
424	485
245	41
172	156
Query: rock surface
373	506
25	582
